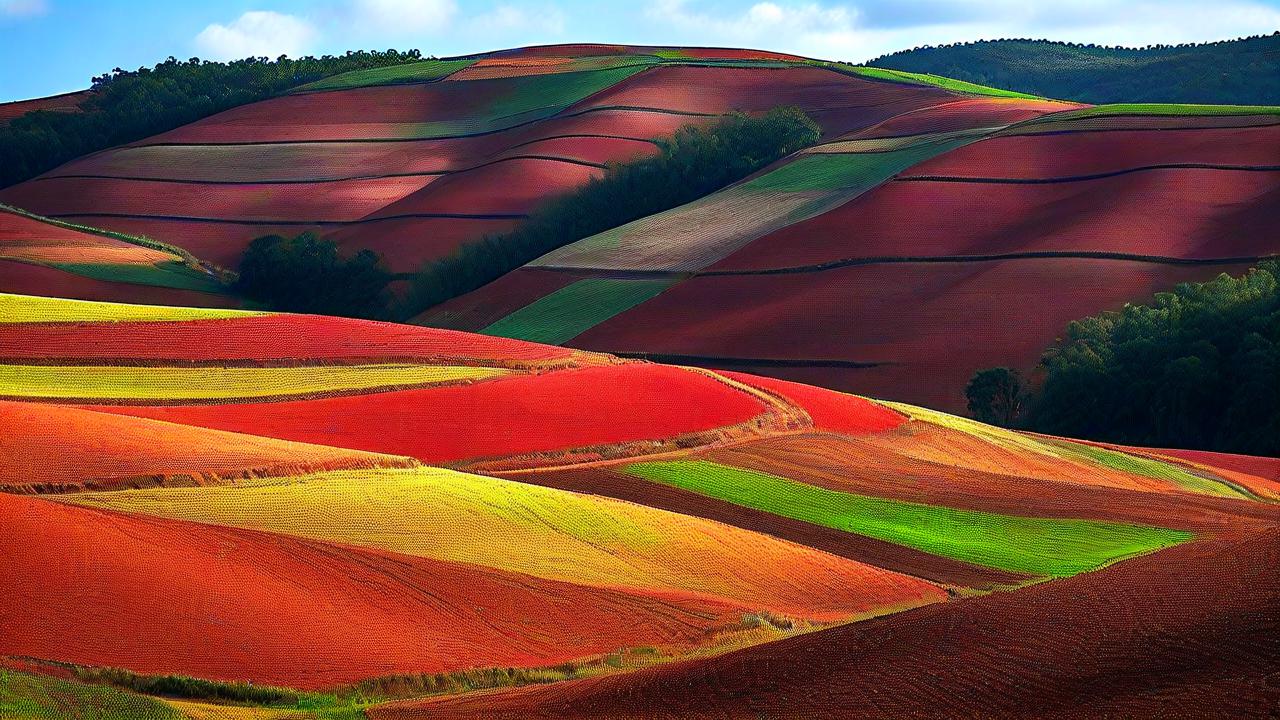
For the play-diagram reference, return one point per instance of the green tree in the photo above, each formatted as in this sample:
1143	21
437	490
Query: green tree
996	396
306	274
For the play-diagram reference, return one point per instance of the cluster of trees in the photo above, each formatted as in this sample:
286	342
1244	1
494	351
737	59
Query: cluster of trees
1241	72
307	274
129	105
1198	368
694	162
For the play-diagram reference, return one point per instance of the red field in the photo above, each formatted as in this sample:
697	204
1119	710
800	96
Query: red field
66	102
313	202
51	448
963	114
830	410
839	103
404	243
498	299
1187	633
1074	154
510	187
23	278
1182	213
939	322
230	604
272	339
521	415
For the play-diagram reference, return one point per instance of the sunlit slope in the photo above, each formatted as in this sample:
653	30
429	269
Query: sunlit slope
547	533
53	448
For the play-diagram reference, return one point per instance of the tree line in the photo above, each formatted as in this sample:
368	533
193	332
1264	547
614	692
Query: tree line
128	105
1234	72
308	274
1198	368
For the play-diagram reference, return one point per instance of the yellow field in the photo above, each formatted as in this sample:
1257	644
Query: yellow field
213	383
549	533
29	309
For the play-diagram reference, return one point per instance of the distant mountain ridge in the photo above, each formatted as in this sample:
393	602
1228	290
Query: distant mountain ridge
1244	71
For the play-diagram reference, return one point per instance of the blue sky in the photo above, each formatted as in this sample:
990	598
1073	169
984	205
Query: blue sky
51	46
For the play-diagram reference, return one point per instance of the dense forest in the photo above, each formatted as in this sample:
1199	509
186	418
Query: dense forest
692	163
1198	368
128	105
1241	72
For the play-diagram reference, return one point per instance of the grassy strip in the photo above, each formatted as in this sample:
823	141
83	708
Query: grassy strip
424	71
850	171
1163	109
139	240
1147	467
1039	546
24	696
572	310
34	309
946	83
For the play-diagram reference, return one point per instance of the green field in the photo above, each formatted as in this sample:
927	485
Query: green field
35	697
572	310
1165	109
1148	468
171	275
945	83
424	71
1053	547
851	172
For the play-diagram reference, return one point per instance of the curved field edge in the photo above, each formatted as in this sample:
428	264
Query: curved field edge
552	534
1053	547
37	309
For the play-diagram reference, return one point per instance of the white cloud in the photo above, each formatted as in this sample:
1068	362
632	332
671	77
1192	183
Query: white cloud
401	17
547	19
257	33
23	8
861	29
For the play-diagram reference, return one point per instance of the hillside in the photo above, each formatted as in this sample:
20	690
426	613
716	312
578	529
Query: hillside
200	453
1231	72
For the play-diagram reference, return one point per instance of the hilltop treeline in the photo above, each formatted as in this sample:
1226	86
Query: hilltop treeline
692	163
128	105
1198	368
1235	72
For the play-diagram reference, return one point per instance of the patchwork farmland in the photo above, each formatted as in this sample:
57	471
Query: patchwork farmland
706	463
689	513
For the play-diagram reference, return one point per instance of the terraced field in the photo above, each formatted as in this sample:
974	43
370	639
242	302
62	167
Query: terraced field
272	476
862	264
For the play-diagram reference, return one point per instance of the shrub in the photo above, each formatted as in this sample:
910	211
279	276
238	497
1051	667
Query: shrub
306	274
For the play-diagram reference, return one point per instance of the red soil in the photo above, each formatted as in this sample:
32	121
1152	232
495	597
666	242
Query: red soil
963	114
481	308
55	448
609	482
711	53
516	416
602	150
1189	632
389	111
406	243
1072	154
514	186
331	201
934	324
28	279
838	102
1263	467
928	464
1194	214
830	410
66	102
273	339
222	244
163	596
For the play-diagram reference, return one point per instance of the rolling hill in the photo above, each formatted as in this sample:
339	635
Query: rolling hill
271	476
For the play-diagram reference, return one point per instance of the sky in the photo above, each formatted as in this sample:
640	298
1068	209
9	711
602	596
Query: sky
53	46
